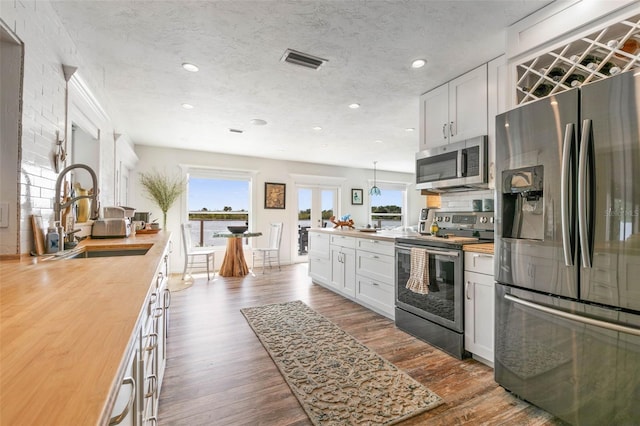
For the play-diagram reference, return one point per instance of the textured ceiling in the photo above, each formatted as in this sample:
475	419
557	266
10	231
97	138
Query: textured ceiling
137	48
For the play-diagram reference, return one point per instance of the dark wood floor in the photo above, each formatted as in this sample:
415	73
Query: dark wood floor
219	374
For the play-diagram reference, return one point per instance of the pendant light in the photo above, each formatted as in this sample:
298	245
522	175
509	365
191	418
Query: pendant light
374	189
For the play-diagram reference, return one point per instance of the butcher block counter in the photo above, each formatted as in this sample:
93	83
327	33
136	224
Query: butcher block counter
66	330
486	248
381	235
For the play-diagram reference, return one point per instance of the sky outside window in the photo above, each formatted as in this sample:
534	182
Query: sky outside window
215	194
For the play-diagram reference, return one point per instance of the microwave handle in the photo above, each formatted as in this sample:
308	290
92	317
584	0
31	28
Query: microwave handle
463	162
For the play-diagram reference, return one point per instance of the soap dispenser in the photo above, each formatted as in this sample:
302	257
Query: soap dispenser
53	239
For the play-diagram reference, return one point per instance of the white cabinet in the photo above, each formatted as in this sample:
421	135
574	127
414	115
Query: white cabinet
139	393
375	274
343	265
125	411
362	269
455	111
479	305
319	257
497	103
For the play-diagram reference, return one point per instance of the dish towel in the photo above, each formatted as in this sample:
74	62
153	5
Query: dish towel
419	276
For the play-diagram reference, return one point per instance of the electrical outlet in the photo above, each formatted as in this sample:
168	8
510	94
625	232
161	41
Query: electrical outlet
4	215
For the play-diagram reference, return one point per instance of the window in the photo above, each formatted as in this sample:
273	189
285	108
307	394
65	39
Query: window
386	211
215	202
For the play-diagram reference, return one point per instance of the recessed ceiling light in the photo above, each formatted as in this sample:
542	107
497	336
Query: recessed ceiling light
354	106
409	129
317	128
258	122
187	106
190	67
418	63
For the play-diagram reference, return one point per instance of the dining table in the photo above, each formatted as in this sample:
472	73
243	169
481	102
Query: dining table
234	263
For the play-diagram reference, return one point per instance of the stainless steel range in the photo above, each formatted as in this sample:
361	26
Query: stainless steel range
437	317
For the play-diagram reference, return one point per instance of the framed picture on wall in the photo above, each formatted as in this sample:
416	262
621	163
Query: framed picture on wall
274	195
356	196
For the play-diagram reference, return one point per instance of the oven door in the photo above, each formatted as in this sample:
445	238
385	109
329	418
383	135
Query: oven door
444	302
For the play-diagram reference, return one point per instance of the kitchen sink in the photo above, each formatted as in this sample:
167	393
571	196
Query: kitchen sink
91	252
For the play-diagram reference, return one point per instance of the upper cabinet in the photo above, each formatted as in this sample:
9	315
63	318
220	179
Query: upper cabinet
568	44
454	111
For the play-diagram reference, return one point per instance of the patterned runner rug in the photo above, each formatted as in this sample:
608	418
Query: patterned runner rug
337	380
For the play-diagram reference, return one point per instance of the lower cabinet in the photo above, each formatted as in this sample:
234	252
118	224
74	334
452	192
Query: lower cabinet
125	411
479	306
343	265
319	262
375	272
138	396
361	269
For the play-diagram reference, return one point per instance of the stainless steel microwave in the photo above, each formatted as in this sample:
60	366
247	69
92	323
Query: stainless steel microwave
457	166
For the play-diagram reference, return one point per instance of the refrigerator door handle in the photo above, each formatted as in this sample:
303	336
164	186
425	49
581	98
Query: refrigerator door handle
574	317
565	205
583	226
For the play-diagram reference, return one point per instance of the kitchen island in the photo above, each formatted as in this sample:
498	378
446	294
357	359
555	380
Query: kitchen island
69	327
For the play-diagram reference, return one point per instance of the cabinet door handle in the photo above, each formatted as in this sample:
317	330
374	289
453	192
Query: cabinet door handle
153	386
116	420
158	313
467	290
167	298
451	128
154	342
444	131
375	283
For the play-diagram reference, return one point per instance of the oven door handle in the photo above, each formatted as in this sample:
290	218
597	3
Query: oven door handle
432	251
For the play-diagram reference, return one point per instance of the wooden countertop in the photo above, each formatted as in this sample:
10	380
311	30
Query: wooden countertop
65	328
379	235
486	248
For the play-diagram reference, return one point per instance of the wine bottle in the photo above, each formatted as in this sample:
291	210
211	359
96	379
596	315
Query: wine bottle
556	73
574	80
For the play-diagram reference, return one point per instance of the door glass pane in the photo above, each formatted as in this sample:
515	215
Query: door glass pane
327	205
304	219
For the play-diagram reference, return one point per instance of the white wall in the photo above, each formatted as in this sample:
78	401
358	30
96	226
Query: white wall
10	84
47	46
288	172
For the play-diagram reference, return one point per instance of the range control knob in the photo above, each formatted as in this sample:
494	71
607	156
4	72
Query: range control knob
483	219
491	219
439	218
447	219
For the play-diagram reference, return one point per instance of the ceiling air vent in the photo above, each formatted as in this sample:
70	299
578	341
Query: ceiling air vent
302	59
236	131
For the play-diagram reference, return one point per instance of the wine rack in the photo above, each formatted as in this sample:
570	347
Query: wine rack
599	55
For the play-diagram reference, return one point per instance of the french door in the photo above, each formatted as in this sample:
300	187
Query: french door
316	204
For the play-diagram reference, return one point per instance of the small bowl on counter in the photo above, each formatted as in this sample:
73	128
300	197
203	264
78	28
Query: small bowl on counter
237	229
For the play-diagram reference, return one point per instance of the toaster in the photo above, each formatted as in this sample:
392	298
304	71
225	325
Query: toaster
111	228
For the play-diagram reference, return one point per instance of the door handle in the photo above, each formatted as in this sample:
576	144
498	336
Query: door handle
583	226
565	213
444	131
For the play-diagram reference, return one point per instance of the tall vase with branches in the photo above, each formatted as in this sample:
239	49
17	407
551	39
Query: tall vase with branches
164	190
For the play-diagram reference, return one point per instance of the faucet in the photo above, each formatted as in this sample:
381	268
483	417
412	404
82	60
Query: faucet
58	206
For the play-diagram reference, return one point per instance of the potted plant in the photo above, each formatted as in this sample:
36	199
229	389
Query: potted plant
162	189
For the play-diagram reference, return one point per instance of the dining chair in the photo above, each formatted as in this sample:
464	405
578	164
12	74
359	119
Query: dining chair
192	253
275	237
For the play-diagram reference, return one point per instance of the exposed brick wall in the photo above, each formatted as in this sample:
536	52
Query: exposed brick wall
47	46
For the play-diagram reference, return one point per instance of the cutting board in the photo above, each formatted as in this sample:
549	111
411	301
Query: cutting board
38	234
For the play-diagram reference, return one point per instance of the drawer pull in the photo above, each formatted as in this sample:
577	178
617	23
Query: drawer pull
153	386
154	342
375	283
116	420
159	312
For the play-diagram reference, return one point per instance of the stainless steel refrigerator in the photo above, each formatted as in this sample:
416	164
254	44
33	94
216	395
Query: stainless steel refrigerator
567	328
